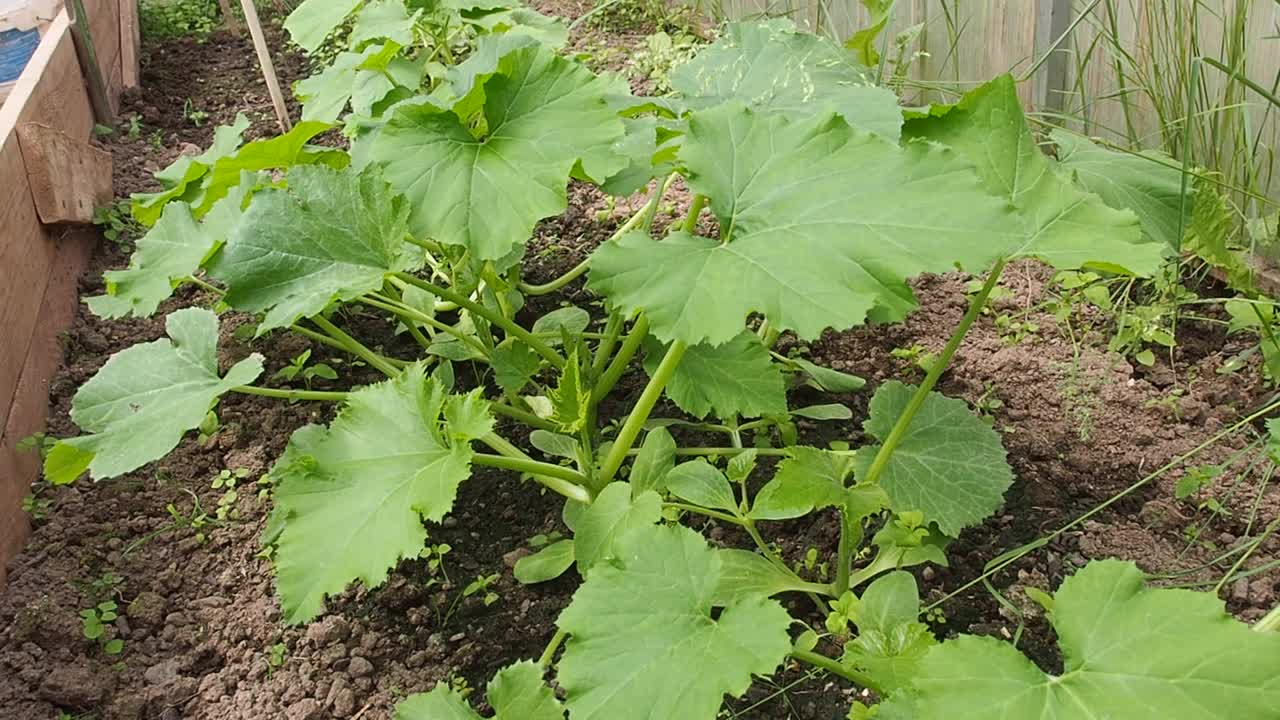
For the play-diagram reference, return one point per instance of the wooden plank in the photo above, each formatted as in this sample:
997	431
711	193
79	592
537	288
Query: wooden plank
130	44
49	91
31	401
69	178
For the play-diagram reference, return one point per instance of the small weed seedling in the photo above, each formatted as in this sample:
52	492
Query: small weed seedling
276	655
94	622
227	481
483	586
135	128
116	222
298	368
193	114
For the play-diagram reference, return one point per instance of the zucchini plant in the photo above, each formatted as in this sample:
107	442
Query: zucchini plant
828	198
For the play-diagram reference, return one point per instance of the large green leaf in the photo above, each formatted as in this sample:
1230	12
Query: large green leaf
1129	652
330	235
1149	184
355	494
773	66
737	378
891	642
643	643
1062	224
950	464
144	399
312	21
516	693
486	189
821	224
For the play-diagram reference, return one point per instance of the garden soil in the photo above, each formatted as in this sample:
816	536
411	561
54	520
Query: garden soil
202	632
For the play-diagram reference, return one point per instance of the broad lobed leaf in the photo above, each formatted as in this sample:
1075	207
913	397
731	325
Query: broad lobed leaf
145	398
1130	652
950	465
821	224
737	378
644	644
354	494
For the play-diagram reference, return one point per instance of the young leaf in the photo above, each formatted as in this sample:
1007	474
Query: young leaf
702	484
890	656
656	460
613	514
824	412
828	379
643	643
313	20
736	378
331	235
859	216
363	78
808	480
548	563
572	320
950	464
570	399
171	250
542	115
773	66
1149	184
516	693
892	600
554	444
1062	225
514	365
1129	652
864	40
355	494
145	398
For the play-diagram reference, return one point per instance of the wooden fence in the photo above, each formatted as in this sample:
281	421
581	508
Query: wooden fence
966	41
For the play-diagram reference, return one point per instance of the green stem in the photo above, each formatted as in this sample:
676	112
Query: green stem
496	318
640	413
356	347
699	510
564	481
822	661
318	337
556	641
938	367
1270	622
630	346
204	285
317	395
690	224
428	245
844	555
408	315
881	460
532	467
762	452
604	350
527	418
581	268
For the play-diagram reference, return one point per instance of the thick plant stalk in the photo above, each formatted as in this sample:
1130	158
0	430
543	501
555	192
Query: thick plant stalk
639	331
507	324
822	661
355	347
640	413
881	461
556	478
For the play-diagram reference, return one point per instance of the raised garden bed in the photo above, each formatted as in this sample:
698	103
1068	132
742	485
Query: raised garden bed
178	564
